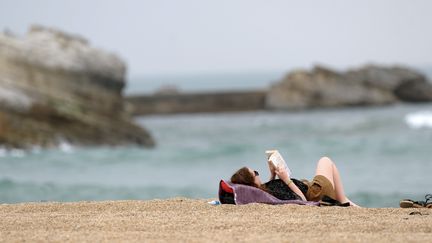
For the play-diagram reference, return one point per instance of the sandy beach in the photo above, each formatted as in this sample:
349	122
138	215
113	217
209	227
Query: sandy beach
193	220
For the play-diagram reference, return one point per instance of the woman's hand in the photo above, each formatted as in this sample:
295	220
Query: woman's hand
282	173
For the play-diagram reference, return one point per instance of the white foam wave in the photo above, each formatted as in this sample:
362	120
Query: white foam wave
420	119
18	153
65	147
3	152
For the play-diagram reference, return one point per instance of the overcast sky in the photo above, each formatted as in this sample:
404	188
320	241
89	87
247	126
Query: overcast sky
187	36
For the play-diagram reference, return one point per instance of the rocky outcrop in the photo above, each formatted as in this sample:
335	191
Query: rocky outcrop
56	87
370	85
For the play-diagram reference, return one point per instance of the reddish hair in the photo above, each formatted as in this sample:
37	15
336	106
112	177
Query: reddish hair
243	176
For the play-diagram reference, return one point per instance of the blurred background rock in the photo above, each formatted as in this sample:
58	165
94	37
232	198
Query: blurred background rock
369	85
55	87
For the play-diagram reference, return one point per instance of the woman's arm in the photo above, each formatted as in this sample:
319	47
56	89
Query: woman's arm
295	189
283	175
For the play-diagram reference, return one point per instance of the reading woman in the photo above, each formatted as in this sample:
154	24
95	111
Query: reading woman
327	182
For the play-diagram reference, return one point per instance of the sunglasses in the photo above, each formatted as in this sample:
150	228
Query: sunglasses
256	173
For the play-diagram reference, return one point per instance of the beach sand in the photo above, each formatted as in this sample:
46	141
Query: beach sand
193	220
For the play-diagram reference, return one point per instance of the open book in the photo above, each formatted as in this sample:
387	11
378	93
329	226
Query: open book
275	159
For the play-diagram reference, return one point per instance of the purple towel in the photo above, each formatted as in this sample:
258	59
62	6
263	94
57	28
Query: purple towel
248	194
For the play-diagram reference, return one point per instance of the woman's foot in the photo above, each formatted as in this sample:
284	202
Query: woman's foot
352	204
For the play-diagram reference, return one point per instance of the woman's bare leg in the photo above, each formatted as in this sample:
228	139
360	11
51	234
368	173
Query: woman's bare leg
327	168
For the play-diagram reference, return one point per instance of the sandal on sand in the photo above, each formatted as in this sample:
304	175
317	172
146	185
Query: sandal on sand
408	203
328	201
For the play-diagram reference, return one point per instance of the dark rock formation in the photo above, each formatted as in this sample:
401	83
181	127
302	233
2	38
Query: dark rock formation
370	85
55	87
414	91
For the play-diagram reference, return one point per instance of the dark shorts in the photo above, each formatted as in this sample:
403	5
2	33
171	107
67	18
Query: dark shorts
319	187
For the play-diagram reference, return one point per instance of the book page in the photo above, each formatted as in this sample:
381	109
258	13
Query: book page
277	160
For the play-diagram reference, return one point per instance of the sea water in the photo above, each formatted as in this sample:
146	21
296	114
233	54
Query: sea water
384	154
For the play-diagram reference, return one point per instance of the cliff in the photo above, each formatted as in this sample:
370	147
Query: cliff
56	87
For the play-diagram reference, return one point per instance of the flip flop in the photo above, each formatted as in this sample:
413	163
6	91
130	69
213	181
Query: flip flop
428	197
408	203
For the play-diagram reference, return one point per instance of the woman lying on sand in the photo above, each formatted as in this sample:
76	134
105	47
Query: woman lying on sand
327	182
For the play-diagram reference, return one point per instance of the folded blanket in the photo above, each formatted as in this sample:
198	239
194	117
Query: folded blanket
243	194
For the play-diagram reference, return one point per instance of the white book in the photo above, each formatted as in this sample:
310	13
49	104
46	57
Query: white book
276	160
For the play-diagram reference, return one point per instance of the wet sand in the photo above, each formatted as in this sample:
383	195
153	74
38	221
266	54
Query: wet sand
191	220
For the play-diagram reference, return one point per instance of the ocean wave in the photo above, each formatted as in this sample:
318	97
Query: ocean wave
420	119
65	147
62	146
17	153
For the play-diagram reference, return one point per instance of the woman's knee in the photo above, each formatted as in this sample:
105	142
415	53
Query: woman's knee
325	160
